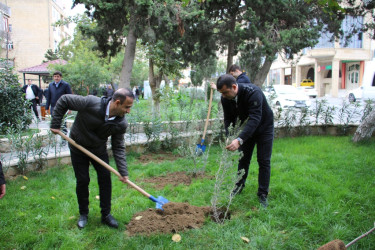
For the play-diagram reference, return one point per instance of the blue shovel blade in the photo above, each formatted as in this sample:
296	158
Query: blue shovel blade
160	201
200	149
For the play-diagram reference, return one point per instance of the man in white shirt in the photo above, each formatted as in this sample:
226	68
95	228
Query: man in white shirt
32	94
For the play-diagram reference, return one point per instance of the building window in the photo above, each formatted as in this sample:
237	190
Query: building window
353	76
274	76
56	46
352	25
325	41
10	46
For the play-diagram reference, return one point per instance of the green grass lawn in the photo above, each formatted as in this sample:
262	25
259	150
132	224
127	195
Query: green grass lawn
322	188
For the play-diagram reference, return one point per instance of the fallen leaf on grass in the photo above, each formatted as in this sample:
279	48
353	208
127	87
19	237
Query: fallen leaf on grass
23	187
71	217
246	240
176	237
138	217
53	198
25	177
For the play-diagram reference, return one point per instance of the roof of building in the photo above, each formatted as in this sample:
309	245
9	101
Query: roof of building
42	69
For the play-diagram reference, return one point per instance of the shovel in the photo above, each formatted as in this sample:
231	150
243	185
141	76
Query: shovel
160	201
200	147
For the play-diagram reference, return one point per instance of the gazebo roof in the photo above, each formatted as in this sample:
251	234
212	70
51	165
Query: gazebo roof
42	69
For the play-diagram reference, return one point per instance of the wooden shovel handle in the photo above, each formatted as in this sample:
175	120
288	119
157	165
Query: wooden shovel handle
208	115
103	163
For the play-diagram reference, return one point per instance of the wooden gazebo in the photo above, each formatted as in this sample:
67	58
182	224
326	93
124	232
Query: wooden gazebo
40	70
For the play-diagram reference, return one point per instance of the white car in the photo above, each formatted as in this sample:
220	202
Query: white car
355	94
310	91
288	96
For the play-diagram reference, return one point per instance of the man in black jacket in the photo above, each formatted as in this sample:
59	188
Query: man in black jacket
56	89
32	93
240	76
247	103
2	182
96	120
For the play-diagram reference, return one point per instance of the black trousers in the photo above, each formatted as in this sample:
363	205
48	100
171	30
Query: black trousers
81	164
264	144
33	106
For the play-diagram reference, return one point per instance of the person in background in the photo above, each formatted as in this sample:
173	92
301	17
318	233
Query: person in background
96	120
32	94
246	103
56	89
137	93
2	182
240	75
109	91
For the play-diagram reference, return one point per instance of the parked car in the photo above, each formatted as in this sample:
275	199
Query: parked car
307	83
310	91
355	94
368	82
287	96
367	90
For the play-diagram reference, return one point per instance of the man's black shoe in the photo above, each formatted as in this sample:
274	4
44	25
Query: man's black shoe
110	221
82	221
263	200
237	190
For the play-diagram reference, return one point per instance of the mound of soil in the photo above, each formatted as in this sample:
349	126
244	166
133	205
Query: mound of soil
159	157
176	217
173	179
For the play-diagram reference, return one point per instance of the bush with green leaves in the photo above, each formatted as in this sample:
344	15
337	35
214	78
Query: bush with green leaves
14	111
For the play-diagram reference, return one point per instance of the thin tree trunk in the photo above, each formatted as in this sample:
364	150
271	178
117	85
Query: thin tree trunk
366	128
261	76
155	87
231	43
127	63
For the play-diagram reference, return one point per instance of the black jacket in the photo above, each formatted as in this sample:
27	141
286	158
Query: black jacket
252	105
90	129
2	179
243	78
55	93
36	90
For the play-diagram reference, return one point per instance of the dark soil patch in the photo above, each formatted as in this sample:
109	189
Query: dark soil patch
159	157
174	179
176	217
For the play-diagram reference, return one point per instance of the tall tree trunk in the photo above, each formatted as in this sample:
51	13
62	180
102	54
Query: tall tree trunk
231	43
366	128
261	76
155	87
127	63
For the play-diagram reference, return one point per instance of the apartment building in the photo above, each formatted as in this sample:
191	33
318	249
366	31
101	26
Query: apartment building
4	28
31	31
335	67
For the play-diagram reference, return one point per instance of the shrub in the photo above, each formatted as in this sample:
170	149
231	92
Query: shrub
12	103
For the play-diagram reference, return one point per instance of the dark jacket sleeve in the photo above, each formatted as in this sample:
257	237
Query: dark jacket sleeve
66	102
253	102
118	149
229	117
48	97
38	93
2	179
68	90
243	78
